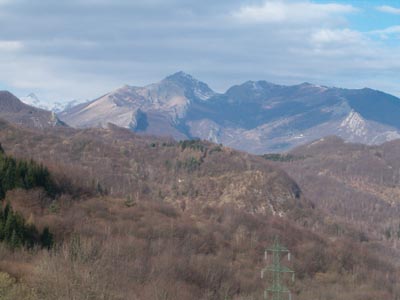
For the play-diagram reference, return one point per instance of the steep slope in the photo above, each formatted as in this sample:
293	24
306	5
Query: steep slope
261	117
192	174
155	109
13	110
256	116
355	184
184	221
351	127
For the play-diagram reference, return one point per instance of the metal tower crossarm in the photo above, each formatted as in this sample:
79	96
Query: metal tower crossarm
277	290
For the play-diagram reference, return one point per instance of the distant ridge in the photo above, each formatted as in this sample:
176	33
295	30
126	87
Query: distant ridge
15	111
256	116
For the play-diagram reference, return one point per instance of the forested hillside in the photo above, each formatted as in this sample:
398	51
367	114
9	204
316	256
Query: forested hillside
191	174
146	218
20	174
23	174
356	184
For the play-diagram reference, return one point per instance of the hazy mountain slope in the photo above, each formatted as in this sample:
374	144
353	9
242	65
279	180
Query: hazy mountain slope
256	116
13	110
261	117
155	109
56	107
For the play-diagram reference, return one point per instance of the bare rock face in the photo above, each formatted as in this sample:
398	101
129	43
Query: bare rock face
15	111
256	116
156	109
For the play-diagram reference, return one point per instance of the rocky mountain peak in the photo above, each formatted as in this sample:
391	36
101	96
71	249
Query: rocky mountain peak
192	86
33	96
259	85
181	76
33	100
9	103
15	111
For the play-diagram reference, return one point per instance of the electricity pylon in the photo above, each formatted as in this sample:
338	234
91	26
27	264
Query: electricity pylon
277	290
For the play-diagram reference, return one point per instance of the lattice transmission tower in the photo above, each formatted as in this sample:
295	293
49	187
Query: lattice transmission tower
277	290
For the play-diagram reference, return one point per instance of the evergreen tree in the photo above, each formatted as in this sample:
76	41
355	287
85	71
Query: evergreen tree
9	226
2	223
17	233
20	227
31	236
22	174
6	211
2	193
15	241
2	231
8	181
46	238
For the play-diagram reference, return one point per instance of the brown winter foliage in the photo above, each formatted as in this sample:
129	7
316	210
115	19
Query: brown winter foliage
190	174
147	218
354	184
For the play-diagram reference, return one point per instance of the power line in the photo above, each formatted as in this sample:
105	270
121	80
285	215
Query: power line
277	290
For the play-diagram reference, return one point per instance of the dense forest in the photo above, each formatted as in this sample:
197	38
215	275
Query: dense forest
14	174
23	174
16	232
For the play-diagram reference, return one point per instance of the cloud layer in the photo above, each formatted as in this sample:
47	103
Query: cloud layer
292	12
84	48
389	9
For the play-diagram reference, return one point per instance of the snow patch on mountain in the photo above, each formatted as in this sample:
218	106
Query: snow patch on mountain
33	100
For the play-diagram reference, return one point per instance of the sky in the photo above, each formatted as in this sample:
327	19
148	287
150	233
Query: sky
81	49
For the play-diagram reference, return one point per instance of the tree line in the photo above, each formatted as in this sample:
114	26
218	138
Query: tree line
23	174
14	230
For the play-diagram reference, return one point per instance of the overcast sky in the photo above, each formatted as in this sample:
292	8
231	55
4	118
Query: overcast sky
81	49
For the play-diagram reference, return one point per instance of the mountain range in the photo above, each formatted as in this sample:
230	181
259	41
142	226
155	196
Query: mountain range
57	107
201	209
14	110
256	116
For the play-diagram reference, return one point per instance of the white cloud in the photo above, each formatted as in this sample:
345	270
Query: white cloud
291	12
389	9
336	36
80	49
387	32
10	45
